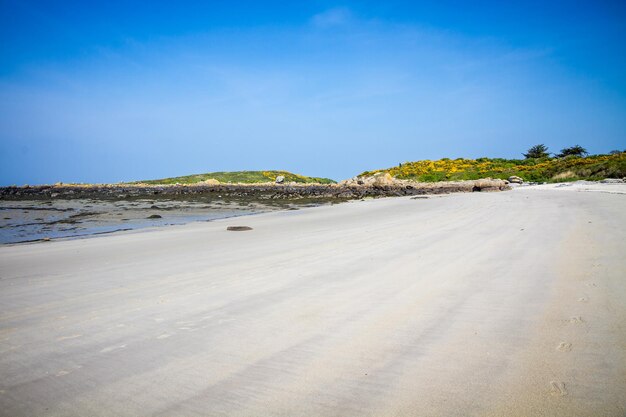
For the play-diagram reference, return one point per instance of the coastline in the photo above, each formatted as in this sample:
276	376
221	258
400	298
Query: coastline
42	213
266	191
464	304
23	221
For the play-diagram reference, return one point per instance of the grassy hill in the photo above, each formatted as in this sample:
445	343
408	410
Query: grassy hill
246	177
594	167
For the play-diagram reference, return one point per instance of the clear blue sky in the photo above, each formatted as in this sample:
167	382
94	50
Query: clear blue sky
126	90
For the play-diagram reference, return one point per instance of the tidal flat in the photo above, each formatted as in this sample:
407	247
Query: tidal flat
34	213
41	220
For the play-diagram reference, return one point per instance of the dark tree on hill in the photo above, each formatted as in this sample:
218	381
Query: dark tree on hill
615	152
537	151
573	151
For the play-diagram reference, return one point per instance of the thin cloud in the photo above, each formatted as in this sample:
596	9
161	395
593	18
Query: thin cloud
338	16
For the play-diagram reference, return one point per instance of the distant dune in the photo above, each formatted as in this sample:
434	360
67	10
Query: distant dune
570	168
242	177
595	167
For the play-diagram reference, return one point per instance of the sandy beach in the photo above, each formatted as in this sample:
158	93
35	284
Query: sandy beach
482	304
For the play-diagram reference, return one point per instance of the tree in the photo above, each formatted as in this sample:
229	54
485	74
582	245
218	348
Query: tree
537	151
573	151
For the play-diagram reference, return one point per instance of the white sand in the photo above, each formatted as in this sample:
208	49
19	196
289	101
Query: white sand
498	304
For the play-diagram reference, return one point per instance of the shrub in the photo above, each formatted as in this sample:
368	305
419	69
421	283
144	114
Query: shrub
537	151
576	150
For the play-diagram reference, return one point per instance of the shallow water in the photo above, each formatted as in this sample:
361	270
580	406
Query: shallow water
24	221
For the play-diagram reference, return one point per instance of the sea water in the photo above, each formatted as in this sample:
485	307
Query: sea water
25	221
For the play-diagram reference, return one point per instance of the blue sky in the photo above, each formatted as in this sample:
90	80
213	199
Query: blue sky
118	90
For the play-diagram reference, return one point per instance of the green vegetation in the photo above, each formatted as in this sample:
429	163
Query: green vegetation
244	177
573	151
537	151
546	169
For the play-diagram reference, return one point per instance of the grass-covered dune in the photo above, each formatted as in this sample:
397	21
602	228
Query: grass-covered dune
242	177
594	167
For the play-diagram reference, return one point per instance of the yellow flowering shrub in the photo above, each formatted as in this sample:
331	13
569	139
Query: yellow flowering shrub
545	169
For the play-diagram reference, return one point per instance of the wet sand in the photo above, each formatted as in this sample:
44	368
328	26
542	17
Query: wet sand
484	304
32	220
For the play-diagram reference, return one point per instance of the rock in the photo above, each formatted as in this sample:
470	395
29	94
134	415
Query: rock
280	179
488	184
154	216
211	181
238	228
380	179
612	181
381	185
351	182
515	179
387	179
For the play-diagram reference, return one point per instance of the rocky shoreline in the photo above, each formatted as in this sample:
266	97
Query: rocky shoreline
351	189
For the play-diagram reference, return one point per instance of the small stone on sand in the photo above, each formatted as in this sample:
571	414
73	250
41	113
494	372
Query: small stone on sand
238	228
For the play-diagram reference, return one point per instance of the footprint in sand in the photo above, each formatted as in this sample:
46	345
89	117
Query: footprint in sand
564	347
583	299
557	388
112	348
74	336
164	336
576	320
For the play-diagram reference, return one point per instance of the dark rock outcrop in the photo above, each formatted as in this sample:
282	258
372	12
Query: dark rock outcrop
379	187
